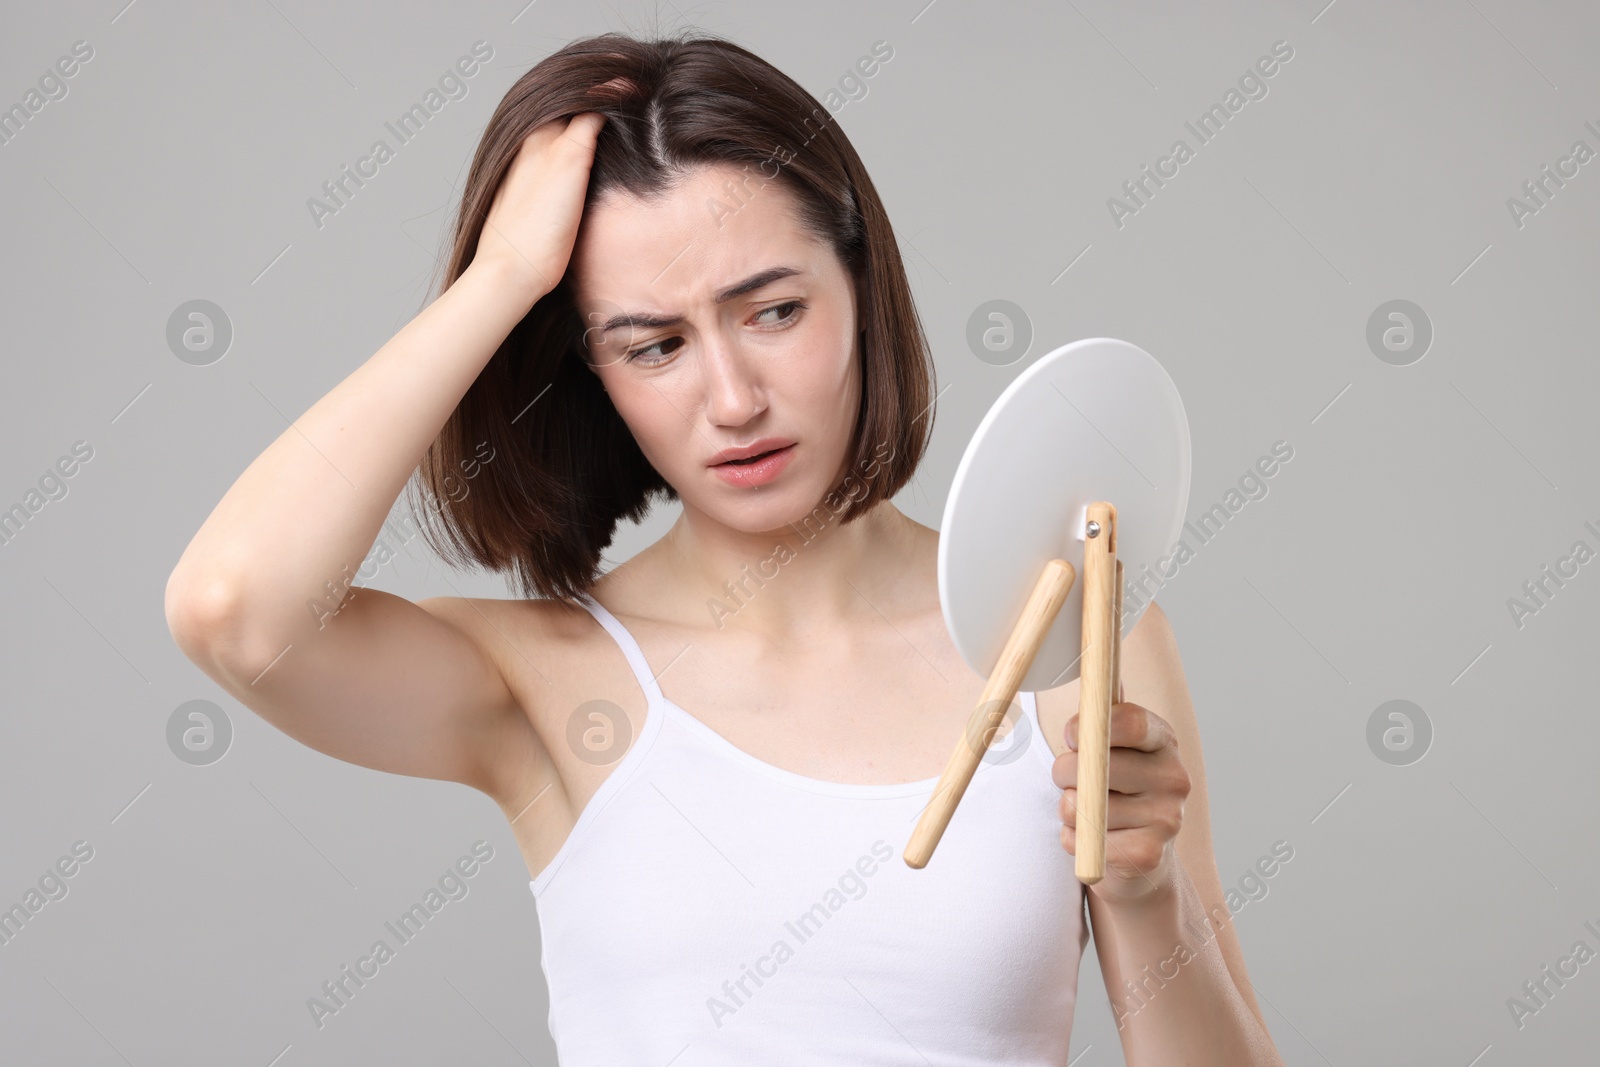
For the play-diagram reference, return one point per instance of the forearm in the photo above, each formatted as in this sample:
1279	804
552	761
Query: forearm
1171	992
308	508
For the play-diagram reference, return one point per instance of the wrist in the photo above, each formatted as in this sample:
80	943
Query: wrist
1162	898
504	282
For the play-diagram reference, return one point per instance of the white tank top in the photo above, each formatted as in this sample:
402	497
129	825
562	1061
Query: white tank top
711	910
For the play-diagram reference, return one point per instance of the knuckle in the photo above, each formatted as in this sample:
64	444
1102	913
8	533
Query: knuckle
1064	771
572	147
1145	854
1175	825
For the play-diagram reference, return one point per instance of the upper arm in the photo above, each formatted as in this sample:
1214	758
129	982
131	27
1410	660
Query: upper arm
384	683
1153	678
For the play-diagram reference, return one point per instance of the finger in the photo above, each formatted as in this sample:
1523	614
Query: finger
1129	771
615	90
543	133
1131	726
1134	853
1122	812
584	127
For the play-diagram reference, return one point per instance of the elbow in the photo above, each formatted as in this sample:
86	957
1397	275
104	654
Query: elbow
203	614
225	627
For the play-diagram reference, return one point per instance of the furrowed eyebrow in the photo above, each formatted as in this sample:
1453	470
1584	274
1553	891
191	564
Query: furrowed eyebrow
643	321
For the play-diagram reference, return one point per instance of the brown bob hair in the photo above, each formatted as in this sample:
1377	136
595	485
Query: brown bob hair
534	468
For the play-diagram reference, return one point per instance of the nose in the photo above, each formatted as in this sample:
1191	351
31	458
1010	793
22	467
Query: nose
734	394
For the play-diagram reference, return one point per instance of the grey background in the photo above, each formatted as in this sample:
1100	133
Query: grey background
1378	567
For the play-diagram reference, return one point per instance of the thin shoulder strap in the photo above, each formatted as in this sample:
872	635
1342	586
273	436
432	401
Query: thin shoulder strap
630	647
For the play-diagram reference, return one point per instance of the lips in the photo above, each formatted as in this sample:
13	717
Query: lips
749	459
762	467
745	454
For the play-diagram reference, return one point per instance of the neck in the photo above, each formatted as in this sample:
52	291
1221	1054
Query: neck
797	579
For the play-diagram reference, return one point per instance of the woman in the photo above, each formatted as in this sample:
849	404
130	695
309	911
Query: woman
672	277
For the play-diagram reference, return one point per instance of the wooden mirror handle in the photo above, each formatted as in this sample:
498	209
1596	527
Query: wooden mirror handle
1044	604
1101	626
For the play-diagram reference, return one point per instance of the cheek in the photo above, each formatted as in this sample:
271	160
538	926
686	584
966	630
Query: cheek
835	372
656	425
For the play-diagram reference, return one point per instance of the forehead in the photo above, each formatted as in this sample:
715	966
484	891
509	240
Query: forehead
718	225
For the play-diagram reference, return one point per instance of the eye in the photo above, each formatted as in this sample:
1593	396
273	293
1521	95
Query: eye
791	307
633	356
794	306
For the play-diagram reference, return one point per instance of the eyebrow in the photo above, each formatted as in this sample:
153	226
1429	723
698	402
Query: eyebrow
646	321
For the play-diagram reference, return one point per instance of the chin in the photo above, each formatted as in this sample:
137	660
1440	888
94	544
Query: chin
764	511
